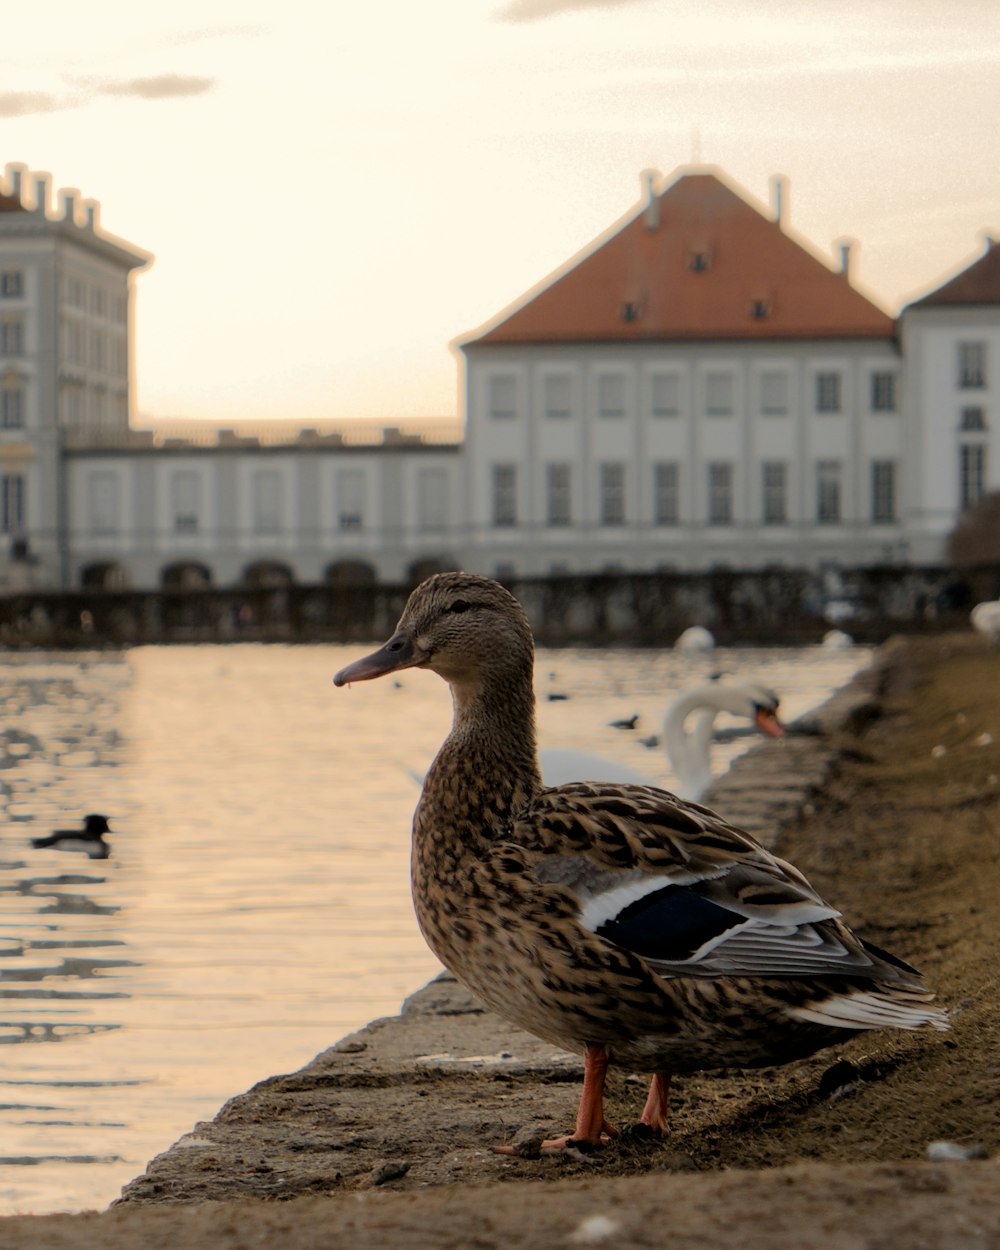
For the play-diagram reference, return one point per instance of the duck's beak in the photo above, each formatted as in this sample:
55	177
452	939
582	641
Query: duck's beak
767	722
398	653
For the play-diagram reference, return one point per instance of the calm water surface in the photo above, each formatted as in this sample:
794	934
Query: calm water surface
256	904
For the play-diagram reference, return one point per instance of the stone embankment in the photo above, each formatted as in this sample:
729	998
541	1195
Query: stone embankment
338	1121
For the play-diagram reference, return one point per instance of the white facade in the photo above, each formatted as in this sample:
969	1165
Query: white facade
647	456
953	388
577	456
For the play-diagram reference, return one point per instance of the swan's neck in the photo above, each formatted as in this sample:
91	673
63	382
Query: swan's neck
689	750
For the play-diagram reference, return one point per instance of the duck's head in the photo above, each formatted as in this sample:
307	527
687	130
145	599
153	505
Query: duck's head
95	823
463	627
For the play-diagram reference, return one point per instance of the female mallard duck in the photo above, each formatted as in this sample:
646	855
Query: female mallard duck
616	920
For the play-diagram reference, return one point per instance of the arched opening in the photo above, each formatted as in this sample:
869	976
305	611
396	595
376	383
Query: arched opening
268	575
350	573
186	575
427	566
104	575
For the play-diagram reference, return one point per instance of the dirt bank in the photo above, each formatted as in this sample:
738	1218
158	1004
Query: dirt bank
384	1139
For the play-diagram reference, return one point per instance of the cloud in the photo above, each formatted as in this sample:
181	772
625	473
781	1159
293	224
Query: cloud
159	86
535	10
22	103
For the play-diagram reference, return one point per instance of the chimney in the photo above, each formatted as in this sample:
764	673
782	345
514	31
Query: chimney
779	194
845	246
69	204
15	174
649	177
92	214
42	194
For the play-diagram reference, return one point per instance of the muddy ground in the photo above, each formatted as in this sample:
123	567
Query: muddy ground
829	1152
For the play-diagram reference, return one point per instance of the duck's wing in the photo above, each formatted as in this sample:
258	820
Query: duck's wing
688	892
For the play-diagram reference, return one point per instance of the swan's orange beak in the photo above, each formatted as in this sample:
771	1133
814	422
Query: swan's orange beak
767	722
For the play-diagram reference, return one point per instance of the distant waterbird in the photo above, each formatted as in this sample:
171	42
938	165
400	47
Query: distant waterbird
86	841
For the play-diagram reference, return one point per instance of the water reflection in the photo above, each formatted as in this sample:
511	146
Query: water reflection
255	905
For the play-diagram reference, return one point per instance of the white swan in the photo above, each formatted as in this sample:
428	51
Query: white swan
687	749
837	640
695	638
985	617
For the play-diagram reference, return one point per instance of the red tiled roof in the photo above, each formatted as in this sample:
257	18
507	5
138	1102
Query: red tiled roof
978	283
645	284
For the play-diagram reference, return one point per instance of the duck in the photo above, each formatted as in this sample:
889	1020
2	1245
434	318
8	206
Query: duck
688	749
89	840
618	922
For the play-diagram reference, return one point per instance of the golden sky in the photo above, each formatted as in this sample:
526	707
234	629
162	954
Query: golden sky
335	193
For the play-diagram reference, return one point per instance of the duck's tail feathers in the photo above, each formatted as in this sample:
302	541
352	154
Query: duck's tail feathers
872	1010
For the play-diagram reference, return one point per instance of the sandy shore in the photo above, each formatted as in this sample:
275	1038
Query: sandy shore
894	813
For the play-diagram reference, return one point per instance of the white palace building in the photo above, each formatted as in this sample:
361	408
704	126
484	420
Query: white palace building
698	389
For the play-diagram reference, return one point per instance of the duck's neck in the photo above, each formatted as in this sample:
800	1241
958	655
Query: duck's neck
487	767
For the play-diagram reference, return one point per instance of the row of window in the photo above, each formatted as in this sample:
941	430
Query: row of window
96	300
268	501
666	394
666	499
89	345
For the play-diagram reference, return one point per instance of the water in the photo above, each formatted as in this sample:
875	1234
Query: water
255	907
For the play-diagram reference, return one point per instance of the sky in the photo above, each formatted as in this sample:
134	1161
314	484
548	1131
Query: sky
334	194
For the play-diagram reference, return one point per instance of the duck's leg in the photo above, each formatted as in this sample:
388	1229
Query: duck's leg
592	1129
654	1113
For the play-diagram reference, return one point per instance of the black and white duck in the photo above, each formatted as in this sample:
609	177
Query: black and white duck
87	841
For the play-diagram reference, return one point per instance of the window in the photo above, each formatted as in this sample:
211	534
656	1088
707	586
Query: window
971	474
12	503
611	395
432	499
775	509
719	391
267	501
11	336
349	499
972	365
666	493
11	284
102	502
720	494
774	394
502	401
828	392
612	487
11	404
666	395
883	392
828	487
186	495
972	419
557	494
883	491
505	494
558	397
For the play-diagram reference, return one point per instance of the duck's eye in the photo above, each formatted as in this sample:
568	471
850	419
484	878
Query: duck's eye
460	605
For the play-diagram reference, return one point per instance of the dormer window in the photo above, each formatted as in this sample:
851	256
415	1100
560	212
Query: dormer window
699	259
629	311
759	308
